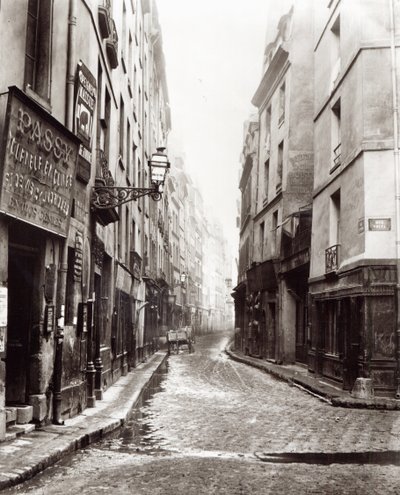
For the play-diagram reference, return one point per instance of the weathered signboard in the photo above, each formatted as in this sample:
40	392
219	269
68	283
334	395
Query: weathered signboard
85	104
39	163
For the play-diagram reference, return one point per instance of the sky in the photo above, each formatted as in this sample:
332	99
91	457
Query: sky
214	52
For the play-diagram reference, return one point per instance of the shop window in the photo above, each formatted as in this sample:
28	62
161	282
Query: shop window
38	47
331	328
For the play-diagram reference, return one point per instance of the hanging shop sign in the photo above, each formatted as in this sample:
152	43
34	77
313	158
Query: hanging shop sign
39	165
85	104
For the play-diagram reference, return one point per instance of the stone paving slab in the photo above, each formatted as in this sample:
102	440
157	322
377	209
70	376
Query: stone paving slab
23	457
298	375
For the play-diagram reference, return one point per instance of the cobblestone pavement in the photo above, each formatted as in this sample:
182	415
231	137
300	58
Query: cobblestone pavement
213	426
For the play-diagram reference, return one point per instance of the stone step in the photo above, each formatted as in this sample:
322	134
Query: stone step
15	431
19	414
11	415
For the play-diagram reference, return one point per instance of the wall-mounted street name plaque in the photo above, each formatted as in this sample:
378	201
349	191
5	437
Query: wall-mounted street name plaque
379	224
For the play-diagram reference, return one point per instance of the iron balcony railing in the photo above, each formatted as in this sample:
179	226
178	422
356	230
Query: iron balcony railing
332	258
112	46
337	155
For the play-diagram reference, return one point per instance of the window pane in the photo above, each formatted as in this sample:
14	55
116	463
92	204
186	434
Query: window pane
29	68
31	37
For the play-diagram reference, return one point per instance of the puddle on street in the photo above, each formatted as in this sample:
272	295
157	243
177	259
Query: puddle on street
137	436
386	458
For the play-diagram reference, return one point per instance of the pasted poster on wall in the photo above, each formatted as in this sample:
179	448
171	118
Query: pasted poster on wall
39	157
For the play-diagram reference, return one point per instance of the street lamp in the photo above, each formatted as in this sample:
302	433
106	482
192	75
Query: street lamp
106	196
183	279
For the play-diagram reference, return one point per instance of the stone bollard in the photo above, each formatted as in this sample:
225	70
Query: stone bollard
363	389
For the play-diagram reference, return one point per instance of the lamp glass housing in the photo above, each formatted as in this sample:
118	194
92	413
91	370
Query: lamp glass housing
159	166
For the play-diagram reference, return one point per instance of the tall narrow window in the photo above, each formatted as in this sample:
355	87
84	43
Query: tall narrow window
268	130
336	138
266	179
133	236
127	235
274	232
130	56
335	50
334	230
119	233
38	47
122	129
106	123
128	148
134	168
279	168
282	102
123	41
261	240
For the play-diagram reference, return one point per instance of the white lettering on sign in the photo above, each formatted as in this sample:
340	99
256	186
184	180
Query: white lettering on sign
42	136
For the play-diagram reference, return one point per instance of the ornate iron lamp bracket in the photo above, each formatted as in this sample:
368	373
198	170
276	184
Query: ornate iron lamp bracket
105	197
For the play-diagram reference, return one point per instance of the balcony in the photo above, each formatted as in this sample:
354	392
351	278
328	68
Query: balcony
105	21
332	259
112	46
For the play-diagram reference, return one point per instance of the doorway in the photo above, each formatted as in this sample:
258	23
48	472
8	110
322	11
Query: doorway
21	285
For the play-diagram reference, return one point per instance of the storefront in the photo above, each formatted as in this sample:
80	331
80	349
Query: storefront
38	164
353	321
262	339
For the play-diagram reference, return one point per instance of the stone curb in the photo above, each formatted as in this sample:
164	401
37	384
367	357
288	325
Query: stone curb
71	442
310	385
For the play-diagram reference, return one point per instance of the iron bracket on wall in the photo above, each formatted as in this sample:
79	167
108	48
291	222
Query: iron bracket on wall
105	197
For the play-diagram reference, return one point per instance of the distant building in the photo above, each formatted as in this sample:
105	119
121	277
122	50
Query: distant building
276	187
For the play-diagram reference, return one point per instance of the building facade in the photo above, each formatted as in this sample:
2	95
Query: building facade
85	103
322	287
354	259
276	187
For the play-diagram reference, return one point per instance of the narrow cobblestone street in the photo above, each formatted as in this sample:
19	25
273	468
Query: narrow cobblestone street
212	426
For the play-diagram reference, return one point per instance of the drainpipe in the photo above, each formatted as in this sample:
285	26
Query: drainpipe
397	184
63	266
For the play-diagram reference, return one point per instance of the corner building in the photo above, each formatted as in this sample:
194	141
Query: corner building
354	253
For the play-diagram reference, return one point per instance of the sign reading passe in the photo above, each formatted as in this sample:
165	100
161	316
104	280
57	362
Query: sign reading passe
39	159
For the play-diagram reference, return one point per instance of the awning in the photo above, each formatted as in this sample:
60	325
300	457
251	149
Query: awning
263	276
